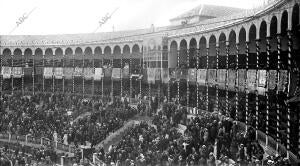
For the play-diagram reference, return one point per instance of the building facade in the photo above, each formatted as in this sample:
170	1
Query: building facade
245	64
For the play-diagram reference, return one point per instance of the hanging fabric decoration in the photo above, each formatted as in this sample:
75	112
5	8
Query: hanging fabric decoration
6	72
68	72
88	73
17	72
231	79
58	73
151	75
116	73
242	79
98	74
48	72
78	72
221	78
251	80
272	79
165	75
201	76
283	77
212	76
192	73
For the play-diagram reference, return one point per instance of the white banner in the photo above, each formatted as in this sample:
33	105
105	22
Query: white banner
6	72
98	74
48	72
17	72
58	73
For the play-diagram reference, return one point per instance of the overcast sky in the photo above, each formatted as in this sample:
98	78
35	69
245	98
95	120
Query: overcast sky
83	16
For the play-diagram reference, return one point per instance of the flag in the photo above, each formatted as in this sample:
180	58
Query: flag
98	74
165	75
262	78
242	79
283	78
157	74
125	73
151	75
272	79
58	72
88	73
78	72
6	72
222	77
192	73
116	73
68	73
251	80
212	76
48	72
17	72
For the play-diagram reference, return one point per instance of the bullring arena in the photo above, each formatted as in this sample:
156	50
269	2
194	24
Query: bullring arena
220	91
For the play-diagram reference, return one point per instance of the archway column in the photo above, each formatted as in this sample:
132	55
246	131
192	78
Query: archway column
237	83
227	73
290	50
268	45
217	84
12	76
188	79
277	92
257	48
197	61
246	87
206	83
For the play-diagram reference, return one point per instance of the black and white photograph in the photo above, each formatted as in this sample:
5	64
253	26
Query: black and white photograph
149	82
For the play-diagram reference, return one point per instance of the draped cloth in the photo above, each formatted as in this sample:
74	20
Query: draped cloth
88	73
6	72
98	74
68	73
242	79
221	77
17	72
231	79
201	76
192	73
272	79
165	75
251	80
48	72
58	73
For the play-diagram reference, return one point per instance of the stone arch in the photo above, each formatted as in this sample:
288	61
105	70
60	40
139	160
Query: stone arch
193	53
173	54
59	52
38	52
126	50
98	51
17	52
117	50
78	51
136	49
107	50
88	51
183	53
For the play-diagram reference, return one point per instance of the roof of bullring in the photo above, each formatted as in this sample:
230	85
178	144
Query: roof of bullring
133	35
208	10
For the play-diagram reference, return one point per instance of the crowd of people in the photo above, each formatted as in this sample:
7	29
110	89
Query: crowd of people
54	116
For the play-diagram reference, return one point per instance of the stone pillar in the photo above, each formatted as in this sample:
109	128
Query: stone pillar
277	92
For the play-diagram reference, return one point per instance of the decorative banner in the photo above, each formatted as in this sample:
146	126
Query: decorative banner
78	72
157	74
116	73
48	72
98	74
151	75
181	74
272	79
107	72
212	76
192	75
28	71
283	78
231	79
172	73
201	76
221	77
262	78
125	72
88	73
145	75
38	70
6	72
251	80
58	73
165	75
17	72
68	73
242	78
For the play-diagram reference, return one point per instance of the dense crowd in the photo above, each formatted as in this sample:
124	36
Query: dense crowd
53	116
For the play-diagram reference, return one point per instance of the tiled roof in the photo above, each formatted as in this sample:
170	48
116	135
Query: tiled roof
208	10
